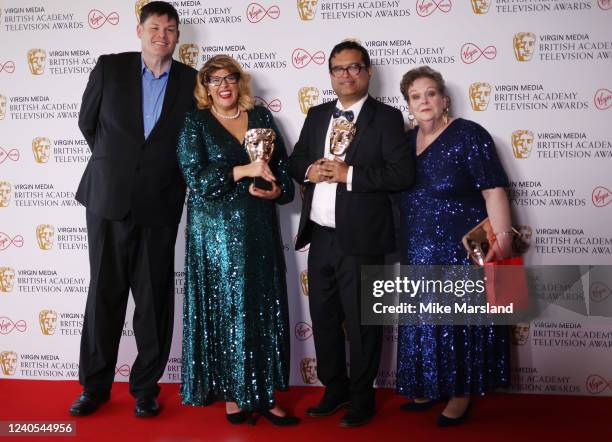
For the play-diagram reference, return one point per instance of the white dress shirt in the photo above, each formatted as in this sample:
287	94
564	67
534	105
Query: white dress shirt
323	209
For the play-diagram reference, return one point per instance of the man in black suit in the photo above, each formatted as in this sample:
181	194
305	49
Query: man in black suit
131	114
348	221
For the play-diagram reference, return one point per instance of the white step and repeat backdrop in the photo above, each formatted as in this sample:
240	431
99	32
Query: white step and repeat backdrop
535	73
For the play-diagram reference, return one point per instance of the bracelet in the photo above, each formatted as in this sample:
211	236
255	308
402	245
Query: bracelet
507	232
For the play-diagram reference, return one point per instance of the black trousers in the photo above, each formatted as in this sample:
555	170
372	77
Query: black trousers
124	256
334	282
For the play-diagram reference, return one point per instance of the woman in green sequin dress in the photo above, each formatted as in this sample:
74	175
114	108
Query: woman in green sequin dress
235	319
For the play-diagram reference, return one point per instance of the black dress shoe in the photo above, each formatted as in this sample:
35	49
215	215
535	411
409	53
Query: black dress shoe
87	403
419	406
237	418
444	421
356	417
327	407
146	407
281	421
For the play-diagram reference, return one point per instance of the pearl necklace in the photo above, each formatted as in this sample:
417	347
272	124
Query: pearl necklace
225	117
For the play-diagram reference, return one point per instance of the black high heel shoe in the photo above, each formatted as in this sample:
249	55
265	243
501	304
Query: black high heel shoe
281	421
444	421
419	406
237	418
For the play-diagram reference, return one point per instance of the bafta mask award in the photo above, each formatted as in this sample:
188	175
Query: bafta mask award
259	144
342	134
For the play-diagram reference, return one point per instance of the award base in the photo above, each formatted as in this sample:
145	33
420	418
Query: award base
262	184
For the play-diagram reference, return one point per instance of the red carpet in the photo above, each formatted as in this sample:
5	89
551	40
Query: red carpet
493	418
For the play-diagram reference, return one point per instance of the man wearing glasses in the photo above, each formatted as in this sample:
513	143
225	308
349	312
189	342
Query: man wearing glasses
347	219
131	113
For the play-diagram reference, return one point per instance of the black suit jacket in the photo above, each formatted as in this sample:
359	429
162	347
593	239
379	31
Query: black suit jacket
126	173
382	163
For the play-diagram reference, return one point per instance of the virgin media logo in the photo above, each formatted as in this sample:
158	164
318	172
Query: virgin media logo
300	58
7	325
274	105
7	66
600	291
425	8
596	384
601	196
96	19
11	154
471	53
603	99
256	12
605	4
124	370
6	241
303	331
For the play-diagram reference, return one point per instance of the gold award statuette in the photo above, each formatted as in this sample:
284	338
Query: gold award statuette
47	320
342	133
5	193
481	6
7	279
138	8
8	362
259	144
2	107
308	369
37	59
44	236
189	53
307	9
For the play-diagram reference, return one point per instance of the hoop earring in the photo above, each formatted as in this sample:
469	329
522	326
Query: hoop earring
445	116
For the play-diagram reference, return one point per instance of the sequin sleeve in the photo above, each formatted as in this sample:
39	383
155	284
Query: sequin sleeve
279	162
206	176
482	161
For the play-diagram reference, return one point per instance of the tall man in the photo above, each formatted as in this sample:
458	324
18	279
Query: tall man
131	114
347	219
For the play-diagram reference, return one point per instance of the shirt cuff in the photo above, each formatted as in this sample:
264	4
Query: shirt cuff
306	180
349	179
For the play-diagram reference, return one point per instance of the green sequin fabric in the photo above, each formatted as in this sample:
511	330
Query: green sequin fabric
235	317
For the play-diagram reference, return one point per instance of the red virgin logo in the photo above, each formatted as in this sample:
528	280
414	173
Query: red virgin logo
471	53
274	105
425	8
603	99
604	4
256	12
596	384
124	370
11	154
7	325
300	58
600	291
7	66
96	19
303	331
6	241
601	196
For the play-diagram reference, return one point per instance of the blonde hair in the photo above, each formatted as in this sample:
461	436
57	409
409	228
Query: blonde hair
218	62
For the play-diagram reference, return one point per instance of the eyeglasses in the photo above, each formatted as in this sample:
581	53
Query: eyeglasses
353	70
229	79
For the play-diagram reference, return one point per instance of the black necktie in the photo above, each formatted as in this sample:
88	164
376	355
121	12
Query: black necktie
349	115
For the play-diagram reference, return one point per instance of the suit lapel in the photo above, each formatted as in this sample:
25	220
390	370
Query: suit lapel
171	93
134	95
365	116
322	126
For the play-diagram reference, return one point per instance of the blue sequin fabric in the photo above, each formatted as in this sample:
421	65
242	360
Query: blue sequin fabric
235	316
437	361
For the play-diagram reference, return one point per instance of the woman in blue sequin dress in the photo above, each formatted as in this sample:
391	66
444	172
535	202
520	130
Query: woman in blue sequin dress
459	182
235	318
